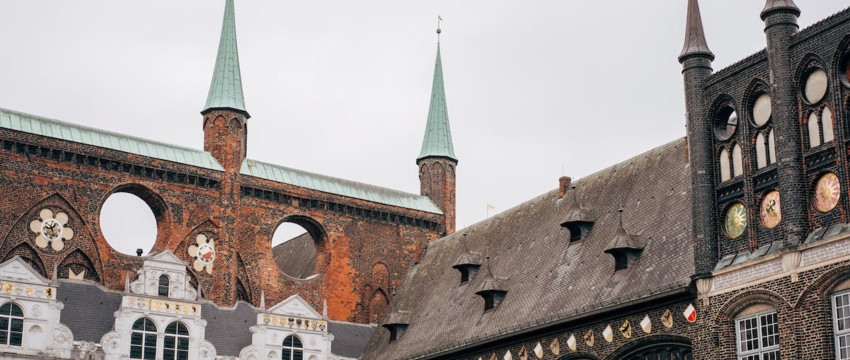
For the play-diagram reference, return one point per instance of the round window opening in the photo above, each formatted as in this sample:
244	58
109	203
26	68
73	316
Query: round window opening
827	192
762	110
736	220
816	84
128	223
725	123
294	249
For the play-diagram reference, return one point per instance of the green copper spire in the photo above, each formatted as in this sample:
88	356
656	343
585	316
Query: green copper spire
438	134
226	86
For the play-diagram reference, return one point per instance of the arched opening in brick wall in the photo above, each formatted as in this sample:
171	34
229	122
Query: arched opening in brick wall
297	247
131	218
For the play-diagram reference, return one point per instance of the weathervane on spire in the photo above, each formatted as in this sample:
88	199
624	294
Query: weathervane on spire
438	28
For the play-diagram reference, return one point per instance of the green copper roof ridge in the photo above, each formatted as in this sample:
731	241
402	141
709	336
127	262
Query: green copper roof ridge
226	86
438	133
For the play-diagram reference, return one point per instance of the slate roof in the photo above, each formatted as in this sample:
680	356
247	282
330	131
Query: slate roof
229	329
547	280
349	339
296	257
89	309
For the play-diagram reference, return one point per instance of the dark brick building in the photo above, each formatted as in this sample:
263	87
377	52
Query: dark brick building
216	209
730	243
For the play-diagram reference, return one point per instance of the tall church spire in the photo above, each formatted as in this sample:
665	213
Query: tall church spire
226	87
438	134
694	35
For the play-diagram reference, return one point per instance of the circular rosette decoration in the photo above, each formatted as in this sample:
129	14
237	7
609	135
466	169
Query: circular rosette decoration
203	251
52	230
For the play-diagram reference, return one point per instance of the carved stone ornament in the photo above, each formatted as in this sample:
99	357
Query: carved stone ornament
203	251
52	230
63	342
790	262
703	287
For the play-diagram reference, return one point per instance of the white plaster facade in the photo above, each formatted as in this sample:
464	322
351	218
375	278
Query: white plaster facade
291	317
43	335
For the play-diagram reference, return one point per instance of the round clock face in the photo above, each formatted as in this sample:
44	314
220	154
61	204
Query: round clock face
51	229
736	220
770	211
827	192
206	253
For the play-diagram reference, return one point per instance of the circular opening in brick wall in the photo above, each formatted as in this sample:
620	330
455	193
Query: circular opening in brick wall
725	123
294	248
128	223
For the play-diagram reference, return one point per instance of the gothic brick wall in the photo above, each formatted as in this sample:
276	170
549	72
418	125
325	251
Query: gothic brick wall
240	213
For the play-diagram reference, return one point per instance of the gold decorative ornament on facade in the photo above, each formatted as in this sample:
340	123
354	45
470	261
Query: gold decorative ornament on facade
736	220
203	251
626	330
589	338
52	229
555	347
667	319
771	213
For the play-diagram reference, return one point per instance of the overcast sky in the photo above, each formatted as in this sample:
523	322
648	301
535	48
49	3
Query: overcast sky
342	87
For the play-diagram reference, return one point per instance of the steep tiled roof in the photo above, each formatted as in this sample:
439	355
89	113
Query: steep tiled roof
229	329
349	339
338	186
89	309
56	129
296	257
545	277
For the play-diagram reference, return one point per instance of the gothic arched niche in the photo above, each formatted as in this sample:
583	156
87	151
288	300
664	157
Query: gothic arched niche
78	266
380	276
377	306
243	284
662	347
29	256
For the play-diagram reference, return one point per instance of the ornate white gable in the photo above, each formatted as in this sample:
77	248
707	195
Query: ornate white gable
295	306
168	264
167	257
16	270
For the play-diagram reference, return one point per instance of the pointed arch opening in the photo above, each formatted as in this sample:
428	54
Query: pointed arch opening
761	151
814	130
737	161
725	169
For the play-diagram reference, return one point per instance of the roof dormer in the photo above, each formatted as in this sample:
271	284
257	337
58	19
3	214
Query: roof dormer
163	275
397	324
491	289
467	263
625	249
578	222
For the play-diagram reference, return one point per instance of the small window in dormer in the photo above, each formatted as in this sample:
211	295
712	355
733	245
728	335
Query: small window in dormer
397	331
163	285
464	275
575	232
493	299
489	302
621	261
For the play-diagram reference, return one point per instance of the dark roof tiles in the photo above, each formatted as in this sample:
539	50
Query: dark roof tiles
549	278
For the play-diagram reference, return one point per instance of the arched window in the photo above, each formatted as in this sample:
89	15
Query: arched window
11	324
828	132
841	324
761	154
757	334
293	349
814	130
725	174
143	339
163	285
176	342
771	147
737	161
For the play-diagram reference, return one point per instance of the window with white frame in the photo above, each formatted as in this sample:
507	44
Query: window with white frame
143	339
162	290
293	349
11	324
176	342
841	324
758	336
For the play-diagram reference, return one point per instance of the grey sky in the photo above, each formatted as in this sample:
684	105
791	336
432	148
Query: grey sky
342	87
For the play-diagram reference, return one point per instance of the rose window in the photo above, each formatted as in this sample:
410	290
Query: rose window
52	230
203	251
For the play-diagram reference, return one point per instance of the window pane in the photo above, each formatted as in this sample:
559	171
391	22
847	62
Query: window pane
168	354
149	326
139	324
769	330
287	354
150	352
773	355
297	355
182	330
171	328
16	311
169	342
150	340
287	341
182	355
842	311
136	352
296	342
4	323
6	309
15	338
183	343
844	347
17	325
4	337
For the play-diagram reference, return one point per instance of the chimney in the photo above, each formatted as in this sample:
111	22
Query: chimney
564	183
139	252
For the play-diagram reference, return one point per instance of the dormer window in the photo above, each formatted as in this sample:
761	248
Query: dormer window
624	248
397	324
577	221
163	285
468	263
491	289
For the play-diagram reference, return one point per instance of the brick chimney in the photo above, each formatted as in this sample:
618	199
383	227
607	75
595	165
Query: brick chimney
564	183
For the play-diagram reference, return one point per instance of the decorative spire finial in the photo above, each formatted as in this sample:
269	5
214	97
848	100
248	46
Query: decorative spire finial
695	43
438	29
226	87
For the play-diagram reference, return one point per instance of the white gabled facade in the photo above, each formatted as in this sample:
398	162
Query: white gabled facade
142	300
291	317
42	334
